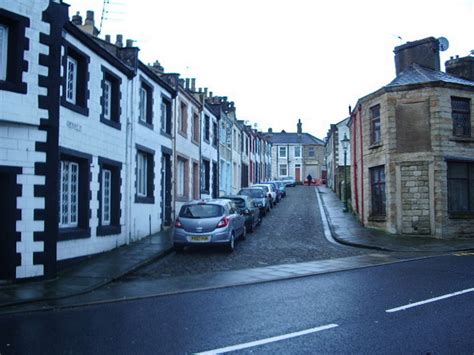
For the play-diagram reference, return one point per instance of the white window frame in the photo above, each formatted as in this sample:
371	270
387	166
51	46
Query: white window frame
107	97
3	51
298	149
106	197
142	106
71	80
163	115
280	150
285	166
142	174
69	194
181	172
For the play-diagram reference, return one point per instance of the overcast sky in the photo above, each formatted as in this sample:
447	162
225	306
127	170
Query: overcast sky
283	60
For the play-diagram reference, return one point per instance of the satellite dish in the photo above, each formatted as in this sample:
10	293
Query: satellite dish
443	44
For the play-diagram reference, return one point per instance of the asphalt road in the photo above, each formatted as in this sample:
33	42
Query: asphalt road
347	312
291	233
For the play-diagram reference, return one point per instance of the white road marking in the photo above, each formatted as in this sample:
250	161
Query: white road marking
268	340
402	308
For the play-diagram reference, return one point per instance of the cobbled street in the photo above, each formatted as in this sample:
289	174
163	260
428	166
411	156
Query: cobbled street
291	233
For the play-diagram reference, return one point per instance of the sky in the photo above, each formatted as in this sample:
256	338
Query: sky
281	61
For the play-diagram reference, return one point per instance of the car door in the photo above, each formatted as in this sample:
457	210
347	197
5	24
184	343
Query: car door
254	210
237	220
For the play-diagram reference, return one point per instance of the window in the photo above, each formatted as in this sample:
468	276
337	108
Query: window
74	194
69	194
196	187
75	79
145	175
13	44
183	119
206	176
3	51
182	183
246	145
196	128
71	80
461	113
311	152
282	152
110	99
214	134
460	188
283	170
375	136
166	125
298	152
207	127
377	184
106	197
145	104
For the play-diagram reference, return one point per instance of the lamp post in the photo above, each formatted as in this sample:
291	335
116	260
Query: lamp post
345	145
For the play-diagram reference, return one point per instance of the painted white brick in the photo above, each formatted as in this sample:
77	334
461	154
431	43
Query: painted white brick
29	226
29	271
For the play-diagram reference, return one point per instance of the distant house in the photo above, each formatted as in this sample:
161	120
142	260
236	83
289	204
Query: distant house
412	147
334	155
296	154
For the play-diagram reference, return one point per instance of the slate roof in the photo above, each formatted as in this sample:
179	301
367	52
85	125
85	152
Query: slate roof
293	138
416	74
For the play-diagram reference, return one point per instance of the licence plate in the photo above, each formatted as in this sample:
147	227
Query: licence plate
200	238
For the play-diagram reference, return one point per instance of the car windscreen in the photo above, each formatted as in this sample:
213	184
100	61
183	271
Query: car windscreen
252	193
201	211
238	202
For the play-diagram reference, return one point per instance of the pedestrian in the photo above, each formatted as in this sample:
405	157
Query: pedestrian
310	179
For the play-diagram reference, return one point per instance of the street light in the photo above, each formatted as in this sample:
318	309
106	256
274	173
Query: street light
345	144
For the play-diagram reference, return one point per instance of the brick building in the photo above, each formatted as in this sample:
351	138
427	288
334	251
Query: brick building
413	149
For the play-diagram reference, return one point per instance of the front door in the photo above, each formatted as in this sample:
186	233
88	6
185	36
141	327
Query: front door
7	223
166	188
297	173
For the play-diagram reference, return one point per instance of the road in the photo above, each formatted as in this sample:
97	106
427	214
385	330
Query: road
291	233
353	311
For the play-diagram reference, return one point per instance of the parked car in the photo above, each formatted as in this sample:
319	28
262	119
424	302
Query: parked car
289	181
274	189
212	222
281	187
270	191
279	191
260	198
246	206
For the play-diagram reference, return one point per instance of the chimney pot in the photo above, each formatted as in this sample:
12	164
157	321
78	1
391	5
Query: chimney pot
299	127
187	83
210	93
129	43
89	18
205	92
119	41
193	84
77	19
107	38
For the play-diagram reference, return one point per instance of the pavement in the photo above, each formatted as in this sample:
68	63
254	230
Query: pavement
77	280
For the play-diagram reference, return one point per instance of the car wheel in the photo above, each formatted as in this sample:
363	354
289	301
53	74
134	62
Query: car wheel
231	244
244	233
178	248
251	228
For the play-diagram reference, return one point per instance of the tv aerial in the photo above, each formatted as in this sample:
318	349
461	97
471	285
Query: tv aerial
443	44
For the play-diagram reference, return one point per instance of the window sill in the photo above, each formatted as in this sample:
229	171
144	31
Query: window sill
462	139
144	199
461	215
166	134
183	134
146	124
375	145
110	123
377	218
195	142
74	233
76	108
108	230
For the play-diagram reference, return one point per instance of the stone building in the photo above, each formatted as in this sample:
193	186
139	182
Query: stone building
413	148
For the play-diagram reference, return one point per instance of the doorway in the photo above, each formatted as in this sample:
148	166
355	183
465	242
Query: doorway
297	172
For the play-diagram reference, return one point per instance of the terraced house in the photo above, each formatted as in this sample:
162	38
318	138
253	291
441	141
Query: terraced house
413	147
97	149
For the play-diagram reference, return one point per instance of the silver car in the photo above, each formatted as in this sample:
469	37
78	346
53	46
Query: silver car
212	222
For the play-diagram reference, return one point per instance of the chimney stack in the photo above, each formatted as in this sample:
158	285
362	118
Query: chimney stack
461	67
129	43
270	130
119	41
77	19
424	52
89	18
89	24
299	127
